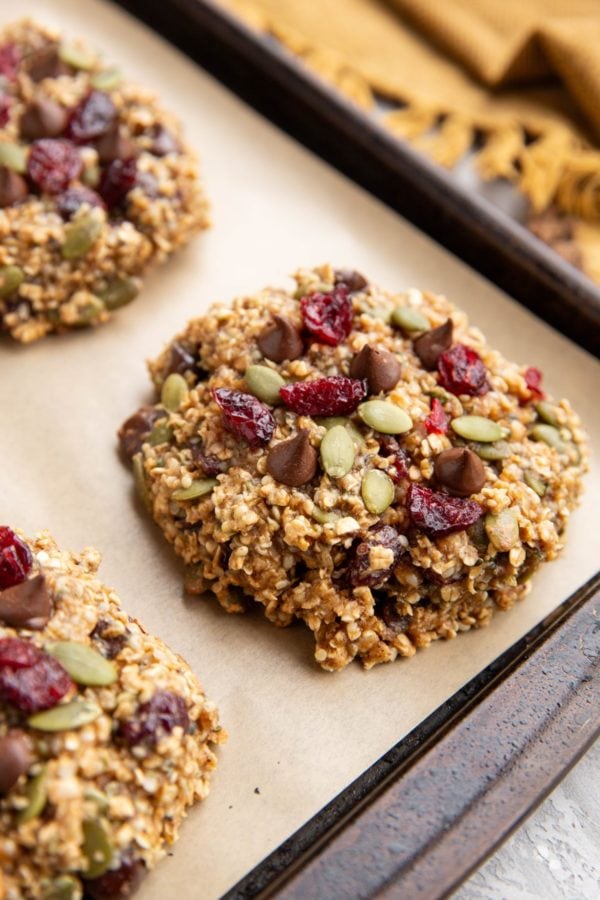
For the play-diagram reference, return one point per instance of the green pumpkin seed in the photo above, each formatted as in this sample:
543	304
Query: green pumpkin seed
120	292
82	234
97	848
409	319
381	313
141	484
84	664
76	56
536	484
13	156
161	433
547	413
66	716
385	417
331	421
337	452
440	394
64	888
174	391
491	452
106	79
36	791
550	435
264	383
477	428
11	278
324	516
97	797
503	529
198	488
377	491
91	175
90	310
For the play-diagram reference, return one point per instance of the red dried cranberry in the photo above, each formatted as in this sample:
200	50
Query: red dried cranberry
359	570
533	380
15	559
4	109
334	396
53	164
439	514
30	679
328	316
9	61
462	371
245	416
69	202
121	882
117	180
437	421
91	118
155	719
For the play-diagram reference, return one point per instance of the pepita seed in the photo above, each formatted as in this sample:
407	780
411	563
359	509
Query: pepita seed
84	664
477	428
36	791
97	797
97	848
91	175
81	234
547	413
90	310
409	319
377	490
491	452
174	391
549	435
331	421
337	452
120	292
11	277
139	478
503	529
198	488
324	516
536	484
76	56
161	433
264	383
13	156
381	313
64	888
106	79
385	417
66	716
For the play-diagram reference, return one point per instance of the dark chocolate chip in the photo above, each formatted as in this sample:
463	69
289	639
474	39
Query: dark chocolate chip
134	431
43	118
13	187
280	340
15	759
115	144
380	367
430	345
46	63
210	465
388	613
164	142
293	462
182	359
353	280
26	605
460	470
359	571
109	645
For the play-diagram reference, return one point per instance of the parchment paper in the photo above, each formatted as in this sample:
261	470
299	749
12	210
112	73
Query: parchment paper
299	735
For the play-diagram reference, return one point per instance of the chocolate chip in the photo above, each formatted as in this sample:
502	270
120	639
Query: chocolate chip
26	605
164	142
115	144
134	431
43	118
380	367
110	645
182	360
353	280
280	340
460	470
387	611
12	187
210	465
293	462
430	345
46	63
15	759
360	570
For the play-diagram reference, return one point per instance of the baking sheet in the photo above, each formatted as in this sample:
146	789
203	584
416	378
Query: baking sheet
299	735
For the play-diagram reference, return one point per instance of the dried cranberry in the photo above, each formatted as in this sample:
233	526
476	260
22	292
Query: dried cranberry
328	316
387	611
439	514
334	396
245	416
91	118
15	559
9	61
53	164
163	141
462	371
533	380
30	679
437	421
359	571
117	180
121	882
155	719
400	461
4	109
69	202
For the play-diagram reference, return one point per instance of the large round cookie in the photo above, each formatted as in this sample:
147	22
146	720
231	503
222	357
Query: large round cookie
96	185
106	737
360	460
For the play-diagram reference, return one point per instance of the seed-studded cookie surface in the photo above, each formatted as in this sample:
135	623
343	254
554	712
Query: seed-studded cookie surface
96	184
106	737
360	460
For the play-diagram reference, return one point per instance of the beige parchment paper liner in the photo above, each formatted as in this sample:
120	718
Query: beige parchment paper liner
297	734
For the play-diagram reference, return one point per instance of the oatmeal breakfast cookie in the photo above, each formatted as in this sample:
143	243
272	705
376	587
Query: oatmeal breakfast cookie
360	460
105	734
96	185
